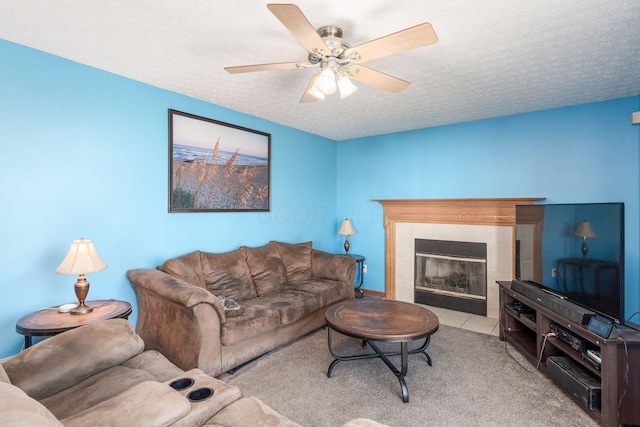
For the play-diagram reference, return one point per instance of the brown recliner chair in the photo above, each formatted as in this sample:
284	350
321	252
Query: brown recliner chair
99	374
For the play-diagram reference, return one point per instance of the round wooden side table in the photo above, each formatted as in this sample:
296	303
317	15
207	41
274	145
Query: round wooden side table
49	321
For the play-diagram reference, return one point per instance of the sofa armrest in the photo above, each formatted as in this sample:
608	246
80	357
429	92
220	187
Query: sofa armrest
180	320
149	403
325	265
174	289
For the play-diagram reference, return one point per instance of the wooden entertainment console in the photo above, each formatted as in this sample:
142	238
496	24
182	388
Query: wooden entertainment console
618	373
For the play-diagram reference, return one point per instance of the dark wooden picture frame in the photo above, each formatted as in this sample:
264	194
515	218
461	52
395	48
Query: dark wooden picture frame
216	166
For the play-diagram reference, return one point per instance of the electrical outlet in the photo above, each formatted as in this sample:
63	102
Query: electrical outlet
364	268
554	272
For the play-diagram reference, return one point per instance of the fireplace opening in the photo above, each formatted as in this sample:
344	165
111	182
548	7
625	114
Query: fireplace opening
451	275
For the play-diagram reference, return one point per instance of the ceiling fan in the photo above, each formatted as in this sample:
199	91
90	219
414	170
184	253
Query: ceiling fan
338	60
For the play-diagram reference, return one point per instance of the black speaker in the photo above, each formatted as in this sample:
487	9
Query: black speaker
576	380
568	310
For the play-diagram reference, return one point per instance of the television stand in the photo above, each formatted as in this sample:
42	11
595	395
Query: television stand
619	352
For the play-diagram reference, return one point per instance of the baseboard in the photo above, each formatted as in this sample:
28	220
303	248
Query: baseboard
374	293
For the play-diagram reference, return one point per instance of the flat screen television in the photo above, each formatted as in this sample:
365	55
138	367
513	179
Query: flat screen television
575	251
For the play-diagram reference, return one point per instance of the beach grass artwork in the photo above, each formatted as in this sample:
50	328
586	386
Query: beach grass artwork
216	166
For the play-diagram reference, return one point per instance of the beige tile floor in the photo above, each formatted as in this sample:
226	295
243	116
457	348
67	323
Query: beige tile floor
471	322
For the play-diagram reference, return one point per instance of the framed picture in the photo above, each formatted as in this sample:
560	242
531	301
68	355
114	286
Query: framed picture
216	166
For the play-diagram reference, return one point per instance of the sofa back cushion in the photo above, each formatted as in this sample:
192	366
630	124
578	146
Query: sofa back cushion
267	269
297	260
186	267
227	274
61	361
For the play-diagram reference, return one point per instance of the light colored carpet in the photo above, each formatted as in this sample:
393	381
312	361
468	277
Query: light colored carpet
473	382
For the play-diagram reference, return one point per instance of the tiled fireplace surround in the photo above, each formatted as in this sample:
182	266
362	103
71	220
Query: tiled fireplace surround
490	221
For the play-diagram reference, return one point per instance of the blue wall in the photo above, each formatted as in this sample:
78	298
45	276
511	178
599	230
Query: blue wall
586	153
85	154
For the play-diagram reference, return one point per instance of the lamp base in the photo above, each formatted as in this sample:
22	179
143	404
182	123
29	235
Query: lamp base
81	309
584	248
346	244
82	290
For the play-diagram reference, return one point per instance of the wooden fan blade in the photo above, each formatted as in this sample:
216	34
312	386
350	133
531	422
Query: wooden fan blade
411	38
377	79
262	67
292	17
307	97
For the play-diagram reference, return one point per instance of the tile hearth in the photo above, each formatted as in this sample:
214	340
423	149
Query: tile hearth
470	322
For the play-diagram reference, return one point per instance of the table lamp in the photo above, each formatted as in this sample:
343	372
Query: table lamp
584	230
81	259
347	229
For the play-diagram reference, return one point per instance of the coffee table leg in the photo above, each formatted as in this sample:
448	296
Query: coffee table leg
422	349
403	371
337	358
399	373
404	356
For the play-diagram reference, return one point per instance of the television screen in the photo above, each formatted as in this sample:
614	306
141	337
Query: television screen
575	250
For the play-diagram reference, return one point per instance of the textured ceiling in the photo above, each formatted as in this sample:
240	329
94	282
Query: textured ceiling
493	57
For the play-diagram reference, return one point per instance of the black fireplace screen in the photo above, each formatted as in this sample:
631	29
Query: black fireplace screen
445	270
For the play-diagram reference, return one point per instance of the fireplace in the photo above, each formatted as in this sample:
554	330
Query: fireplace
451	275
490	221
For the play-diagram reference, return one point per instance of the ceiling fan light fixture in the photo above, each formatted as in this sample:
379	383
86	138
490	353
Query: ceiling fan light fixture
326	82
346	87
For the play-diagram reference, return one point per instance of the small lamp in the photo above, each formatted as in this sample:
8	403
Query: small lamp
584	230
82	258
347	229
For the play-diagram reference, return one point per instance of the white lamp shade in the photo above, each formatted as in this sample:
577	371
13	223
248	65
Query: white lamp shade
347	228
584	230
346	87
326	82
82	258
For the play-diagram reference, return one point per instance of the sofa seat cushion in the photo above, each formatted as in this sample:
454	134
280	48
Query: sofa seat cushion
329	291
94	390
250	411
155	363
292	304
256	319
186	267
149	404
296	258
227	274
267	269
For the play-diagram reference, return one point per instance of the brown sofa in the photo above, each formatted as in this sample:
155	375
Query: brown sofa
282	291
99	375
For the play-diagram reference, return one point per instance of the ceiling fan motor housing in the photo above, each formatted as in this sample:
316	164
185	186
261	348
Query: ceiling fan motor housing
332	37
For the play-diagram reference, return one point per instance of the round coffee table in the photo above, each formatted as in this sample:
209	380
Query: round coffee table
382	320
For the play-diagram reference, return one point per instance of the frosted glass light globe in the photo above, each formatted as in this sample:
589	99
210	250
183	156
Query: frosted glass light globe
346	87
326	82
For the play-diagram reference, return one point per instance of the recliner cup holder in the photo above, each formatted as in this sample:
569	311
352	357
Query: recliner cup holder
200	394
181	383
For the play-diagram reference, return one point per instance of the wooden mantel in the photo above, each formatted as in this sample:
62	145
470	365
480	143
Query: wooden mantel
490	211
